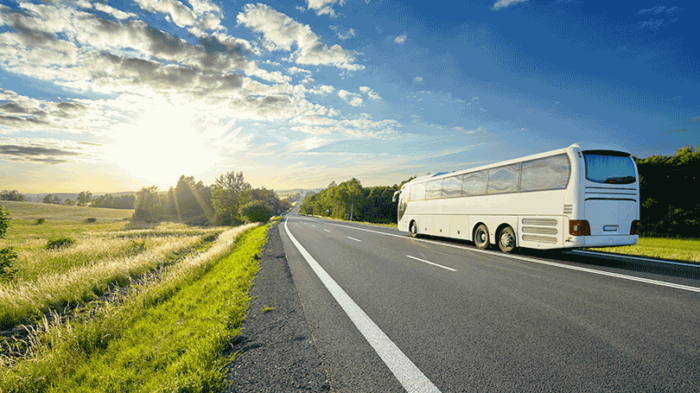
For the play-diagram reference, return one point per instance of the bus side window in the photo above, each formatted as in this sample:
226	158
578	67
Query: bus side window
433	189
418	192
503	179
474	183
551	173
452	187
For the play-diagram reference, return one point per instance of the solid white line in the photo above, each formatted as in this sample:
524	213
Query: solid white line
559	265
357	240
612	254
410	377
431	263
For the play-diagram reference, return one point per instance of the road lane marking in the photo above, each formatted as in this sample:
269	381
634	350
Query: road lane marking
541	262
431	263
408	374
357	240
327	230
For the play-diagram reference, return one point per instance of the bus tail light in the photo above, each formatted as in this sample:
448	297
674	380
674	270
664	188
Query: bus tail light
579	228
636	227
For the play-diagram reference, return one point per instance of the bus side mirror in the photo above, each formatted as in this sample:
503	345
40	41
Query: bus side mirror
396	194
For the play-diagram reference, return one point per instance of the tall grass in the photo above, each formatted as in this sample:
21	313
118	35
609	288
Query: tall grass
167	337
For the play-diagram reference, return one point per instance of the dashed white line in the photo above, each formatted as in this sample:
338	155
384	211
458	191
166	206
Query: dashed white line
327	230
408	374
357	240
432	263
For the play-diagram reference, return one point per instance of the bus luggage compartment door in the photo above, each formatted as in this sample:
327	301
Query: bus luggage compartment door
610	217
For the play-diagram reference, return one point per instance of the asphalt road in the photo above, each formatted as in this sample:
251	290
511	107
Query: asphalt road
463	320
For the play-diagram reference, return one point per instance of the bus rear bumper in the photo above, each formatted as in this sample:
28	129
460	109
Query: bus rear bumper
601	241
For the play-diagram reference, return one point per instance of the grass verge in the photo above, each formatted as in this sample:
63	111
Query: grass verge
685	250
167	337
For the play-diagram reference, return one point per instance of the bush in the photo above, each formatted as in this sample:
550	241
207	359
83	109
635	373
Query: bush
90	220
200	221
7	258
255	211
60	242
40	221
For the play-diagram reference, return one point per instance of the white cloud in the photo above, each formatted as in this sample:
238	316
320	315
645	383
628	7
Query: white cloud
113	11
401	39
343	35
323	90
280	32
418	79
659	10
324	7
505	3
480	129
370	93
351	98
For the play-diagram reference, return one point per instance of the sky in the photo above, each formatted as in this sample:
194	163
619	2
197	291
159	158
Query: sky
112	96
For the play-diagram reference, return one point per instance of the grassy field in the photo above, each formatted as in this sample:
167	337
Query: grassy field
122	308
47	211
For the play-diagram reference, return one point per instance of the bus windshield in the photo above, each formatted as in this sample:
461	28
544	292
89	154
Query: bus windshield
610	168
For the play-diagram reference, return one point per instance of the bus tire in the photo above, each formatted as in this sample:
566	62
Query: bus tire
481	237
414	230
506	240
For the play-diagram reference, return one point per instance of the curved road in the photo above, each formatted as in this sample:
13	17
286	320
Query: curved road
390	313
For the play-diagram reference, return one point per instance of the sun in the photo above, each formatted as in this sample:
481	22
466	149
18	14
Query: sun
161	145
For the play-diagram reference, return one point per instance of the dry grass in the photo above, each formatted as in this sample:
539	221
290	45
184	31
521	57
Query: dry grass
104	255
33	211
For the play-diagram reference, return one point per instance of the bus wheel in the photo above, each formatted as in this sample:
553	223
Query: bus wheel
506	240
481	237
414	230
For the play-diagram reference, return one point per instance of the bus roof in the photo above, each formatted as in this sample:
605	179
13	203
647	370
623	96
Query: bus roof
583	146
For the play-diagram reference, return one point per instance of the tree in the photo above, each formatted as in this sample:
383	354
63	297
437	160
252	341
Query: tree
68	202
56	200
48	198
13	195
228	195
192	199
147	203
84	198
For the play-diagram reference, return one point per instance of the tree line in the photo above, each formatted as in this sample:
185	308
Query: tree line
668	184
350	201
229	201
670	206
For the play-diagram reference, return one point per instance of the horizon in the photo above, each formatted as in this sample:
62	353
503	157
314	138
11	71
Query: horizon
116	96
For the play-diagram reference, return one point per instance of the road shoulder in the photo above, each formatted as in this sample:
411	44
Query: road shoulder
275	350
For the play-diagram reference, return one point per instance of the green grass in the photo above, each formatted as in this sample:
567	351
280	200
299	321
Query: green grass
685	250
167	337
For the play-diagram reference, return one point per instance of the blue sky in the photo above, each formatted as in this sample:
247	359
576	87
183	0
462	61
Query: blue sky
112	96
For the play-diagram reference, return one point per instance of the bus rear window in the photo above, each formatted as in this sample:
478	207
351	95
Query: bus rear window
609	168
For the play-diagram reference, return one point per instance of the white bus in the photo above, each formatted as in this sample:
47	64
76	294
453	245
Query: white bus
585	195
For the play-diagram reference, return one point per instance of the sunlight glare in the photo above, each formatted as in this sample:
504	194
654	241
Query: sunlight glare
162	145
